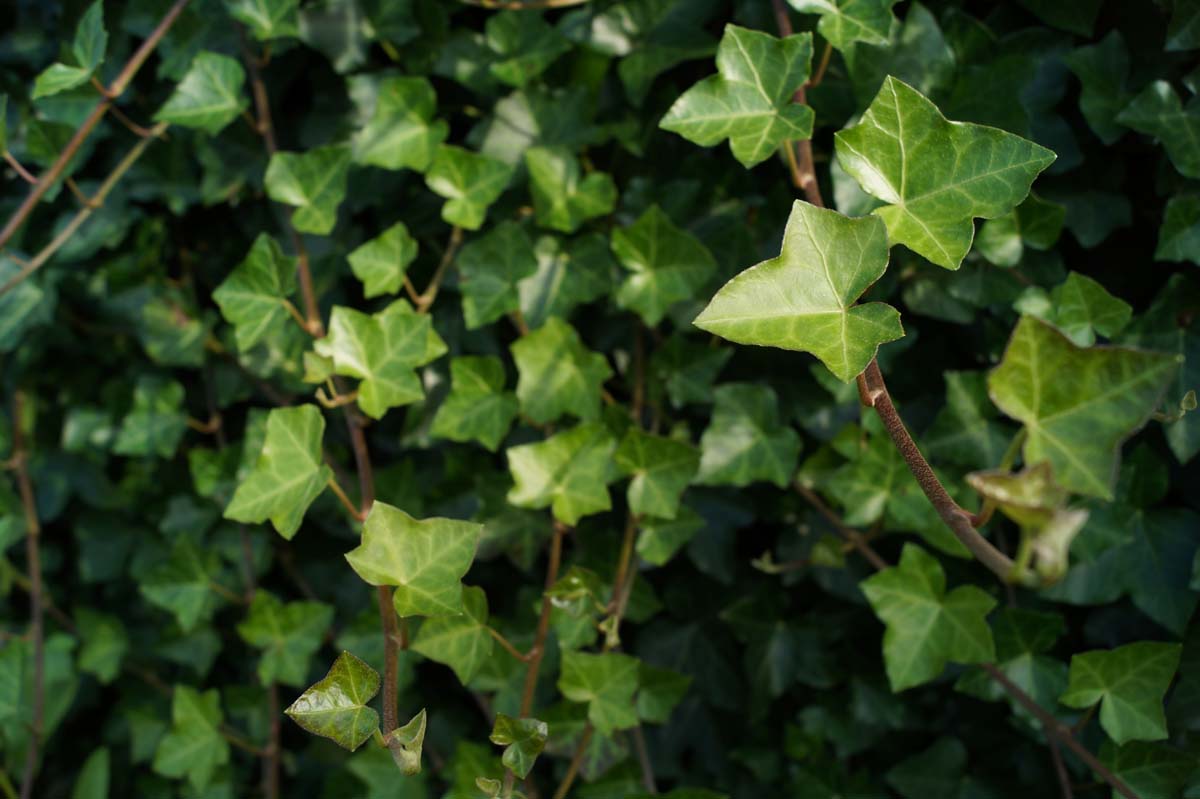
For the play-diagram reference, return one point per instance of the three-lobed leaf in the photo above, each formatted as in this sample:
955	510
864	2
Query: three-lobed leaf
607	683
462	642
666	265
1129	682
660	468
402	132
336	706
288	633
210	95
469	182
568	472
478	408
381	262
254	297
558	374
194	748
314	181
523	740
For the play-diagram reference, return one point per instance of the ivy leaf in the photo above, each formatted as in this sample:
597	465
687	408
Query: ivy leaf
290	634
925	625
252	298
745	440
1150	770
93	779
524	45
557	374
659	691
661	539
266	19
687	369
1080	307
563	197
289	473
1077	405
967	432
804	299
1179	236
182	584
1035	223
1157	111
1023	637
382	351
380	263
336	707
1183	31
490	269
105	643
478	408
568	472
156	422
988	171
667	265
402	133
750	101
470	182
313	181
568	274
425	559
461	642
847	22
210	95
406	743
194	747
606	683
91	40
661	469
1102	69
523	739
1130	682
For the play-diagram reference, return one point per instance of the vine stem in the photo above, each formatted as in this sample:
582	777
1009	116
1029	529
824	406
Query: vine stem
576	762
110	95
33	534
873	391
800	160
426	298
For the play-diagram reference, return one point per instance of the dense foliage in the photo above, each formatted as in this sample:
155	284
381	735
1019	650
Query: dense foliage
415	398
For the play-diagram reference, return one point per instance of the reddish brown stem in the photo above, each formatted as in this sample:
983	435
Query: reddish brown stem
800	162
24	173
576	762
543	628
854	537
33	533
387	617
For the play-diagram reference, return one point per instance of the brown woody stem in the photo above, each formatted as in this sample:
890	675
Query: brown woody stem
33	534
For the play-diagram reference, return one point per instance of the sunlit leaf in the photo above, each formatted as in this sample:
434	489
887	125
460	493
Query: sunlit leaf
568	472
461	642
210	95
313	181
252	298
336	707
557	374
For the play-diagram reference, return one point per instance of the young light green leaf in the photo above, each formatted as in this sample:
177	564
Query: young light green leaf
661	469
985	172
314	181
1077	405
406	743
91	39
336	707
1157	111
568	472
252	298
470	183
1079	307
402	133
804	299
745	440
557	374
925	625
524	45
156	422
461	642
490	269
380	263
750	101
666	265
210	95
606	683
424	558
194	747
289	635
266	19
382	351
289	473
563	198
1130	682
523	739
183	584
1179	236
478	408
847	22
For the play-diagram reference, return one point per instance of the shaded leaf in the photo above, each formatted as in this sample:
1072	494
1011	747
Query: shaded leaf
661	469
1129	682
666	265
289	635
461	642
606	683
563	197
746	440
478	408
1158	112
557	374
194	747
490	269
523	739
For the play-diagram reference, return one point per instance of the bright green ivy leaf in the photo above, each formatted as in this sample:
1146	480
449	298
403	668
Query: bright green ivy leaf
266	19
253	297
746	441
156	422
750	101
336	707
105	643
936	175
1077	405
1102	69
557	374
1157	111
470	182
847	22
804	299
523	739
524	45
606	683
91	40
1130	682
288	474
666	265
1179	236
563	198
568	472
313	181
402	133
478	408
183	584
210	95
1080	308
424	558
194	747
461	642
661	469
58	78
926	626
380	263
490	269
382	351
289	635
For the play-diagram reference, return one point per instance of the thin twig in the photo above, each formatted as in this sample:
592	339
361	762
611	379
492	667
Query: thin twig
804	175
33	534
24	173
1060	768
425	301
576	761
854	537
643	755
340	493
823	65
524	657
543	628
